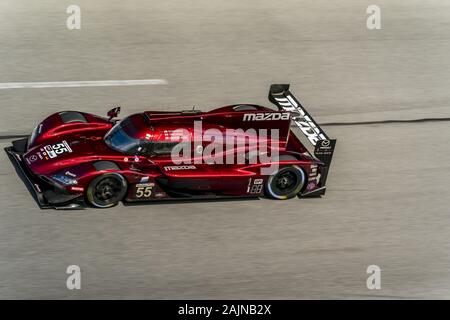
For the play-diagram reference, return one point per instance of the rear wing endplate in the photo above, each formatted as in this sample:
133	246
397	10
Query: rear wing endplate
280	96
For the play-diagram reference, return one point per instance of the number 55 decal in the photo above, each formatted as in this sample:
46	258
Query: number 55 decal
144	190
59	148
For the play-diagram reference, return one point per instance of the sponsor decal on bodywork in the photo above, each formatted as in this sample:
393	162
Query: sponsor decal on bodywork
32	158
70	174
51	151
311	186
303	120
314	176
255	186
268	116
173	168
175	135
144	190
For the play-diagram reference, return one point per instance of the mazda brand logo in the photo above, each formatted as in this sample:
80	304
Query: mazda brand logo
325	143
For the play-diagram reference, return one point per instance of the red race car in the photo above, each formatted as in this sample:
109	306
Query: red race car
73	158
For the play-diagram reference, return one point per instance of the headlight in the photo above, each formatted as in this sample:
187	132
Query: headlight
68	181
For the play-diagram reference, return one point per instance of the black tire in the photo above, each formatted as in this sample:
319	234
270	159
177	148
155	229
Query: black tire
286	183
106	190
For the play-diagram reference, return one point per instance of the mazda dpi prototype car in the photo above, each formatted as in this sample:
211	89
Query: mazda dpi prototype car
73	159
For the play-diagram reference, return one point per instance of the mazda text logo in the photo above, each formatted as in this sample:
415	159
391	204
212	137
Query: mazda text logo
266	116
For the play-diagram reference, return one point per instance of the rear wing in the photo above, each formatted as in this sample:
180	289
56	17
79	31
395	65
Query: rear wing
280	96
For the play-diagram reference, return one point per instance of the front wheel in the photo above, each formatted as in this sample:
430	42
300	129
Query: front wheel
106	190
286	183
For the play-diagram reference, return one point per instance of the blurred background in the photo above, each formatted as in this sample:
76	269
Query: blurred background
387	202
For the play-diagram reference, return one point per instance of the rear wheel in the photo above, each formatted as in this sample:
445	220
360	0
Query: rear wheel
106	190
286	183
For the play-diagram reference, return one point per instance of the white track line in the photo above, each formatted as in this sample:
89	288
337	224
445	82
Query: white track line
72	84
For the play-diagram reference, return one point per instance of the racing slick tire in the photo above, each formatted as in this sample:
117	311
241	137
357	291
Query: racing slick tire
106	190
286	183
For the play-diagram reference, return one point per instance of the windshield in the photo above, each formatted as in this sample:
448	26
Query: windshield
119	140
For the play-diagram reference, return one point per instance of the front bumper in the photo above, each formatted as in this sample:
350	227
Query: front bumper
45	195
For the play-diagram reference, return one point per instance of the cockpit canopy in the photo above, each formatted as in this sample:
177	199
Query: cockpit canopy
127	138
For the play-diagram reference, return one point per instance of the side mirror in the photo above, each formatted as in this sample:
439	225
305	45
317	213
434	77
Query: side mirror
114	112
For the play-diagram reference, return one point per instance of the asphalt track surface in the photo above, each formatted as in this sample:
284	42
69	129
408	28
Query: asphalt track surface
388	197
